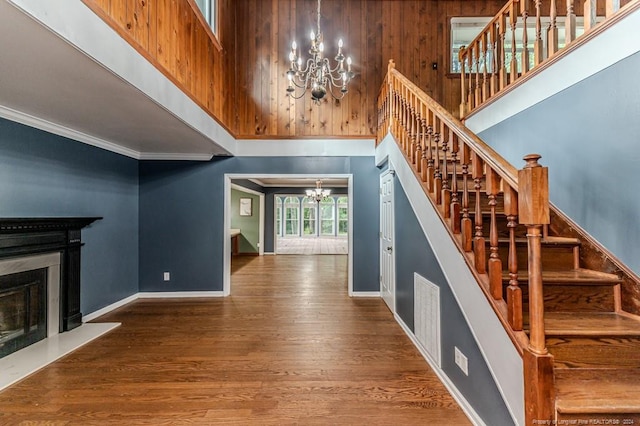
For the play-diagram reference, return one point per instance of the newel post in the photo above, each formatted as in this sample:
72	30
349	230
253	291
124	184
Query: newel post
533	211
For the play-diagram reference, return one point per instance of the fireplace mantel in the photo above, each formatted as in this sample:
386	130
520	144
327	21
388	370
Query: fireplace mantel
28	236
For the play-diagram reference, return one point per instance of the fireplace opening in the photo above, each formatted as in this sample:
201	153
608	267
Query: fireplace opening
23	309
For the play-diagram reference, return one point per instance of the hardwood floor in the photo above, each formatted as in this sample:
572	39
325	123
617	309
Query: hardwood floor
312	245
288	347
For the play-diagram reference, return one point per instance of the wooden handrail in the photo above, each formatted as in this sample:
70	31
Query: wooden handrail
488	66
437	145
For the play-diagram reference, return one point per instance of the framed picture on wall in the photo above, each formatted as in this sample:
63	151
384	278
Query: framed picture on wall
246	207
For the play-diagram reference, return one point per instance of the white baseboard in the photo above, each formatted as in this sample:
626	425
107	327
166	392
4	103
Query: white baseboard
269	253
365	294
107	309
453	390
149	295
172	294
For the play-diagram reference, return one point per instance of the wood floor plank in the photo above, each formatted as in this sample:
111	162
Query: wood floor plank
287	347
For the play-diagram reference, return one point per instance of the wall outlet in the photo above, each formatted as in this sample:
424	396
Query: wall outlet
166	276
461	361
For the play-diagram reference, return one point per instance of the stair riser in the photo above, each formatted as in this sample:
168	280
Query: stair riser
553	257
595	352
574	298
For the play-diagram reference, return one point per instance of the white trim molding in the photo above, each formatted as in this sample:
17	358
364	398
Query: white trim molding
305	147
366	294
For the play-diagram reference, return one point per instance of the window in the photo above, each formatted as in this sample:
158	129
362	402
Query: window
327	216
278	201
309	212
463	31
343	216
209	9
292	216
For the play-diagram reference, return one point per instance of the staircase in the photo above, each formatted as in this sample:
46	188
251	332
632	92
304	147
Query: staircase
568	305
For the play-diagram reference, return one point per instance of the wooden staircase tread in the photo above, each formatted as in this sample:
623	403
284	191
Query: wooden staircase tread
598	391
579	276
590	324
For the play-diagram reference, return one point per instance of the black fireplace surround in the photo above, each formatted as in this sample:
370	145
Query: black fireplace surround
21	237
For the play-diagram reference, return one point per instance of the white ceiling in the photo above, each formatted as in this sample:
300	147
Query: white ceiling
48	83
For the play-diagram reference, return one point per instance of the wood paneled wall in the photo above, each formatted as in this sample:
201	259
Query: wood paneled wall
413	33
243	85
174	37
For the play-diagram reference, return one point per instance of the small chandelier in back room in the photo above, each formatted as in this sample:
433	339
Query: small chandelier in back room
316	74
318	194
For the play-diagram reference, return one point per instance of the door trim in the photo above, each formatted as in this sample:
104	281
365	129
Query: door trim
226	251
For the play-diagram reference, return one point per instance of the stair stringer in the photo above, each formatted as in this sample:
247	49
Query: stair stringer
502	358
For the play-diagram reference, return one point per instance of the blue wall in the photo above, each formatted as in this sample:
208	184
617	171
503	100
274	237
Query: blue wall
414	254
46	175
588	136
182	214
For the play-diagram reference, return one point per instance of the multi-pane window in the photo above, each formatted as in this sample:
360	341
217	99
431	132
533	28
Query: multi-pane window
278	201
291	216
327	212
343	215
309	212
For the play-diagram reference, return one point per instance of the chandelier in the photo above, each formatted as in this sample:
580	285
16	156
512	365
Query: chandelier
318	194
317	74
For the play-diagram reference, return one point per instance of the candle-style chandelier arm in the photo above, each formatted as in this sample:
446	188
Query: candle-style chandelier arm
317	73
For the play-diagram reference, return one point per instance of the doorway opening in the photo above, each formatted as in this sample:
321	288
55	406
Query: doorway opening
309	222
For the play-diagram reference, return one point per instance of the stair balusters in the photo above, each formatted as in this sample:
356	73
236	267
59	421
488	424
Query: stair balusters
495	264
466	225
445	195
423	130
514	292
479	249
454	207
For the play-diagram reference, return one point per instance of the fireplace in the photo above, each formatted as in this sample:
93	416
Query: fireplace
39	279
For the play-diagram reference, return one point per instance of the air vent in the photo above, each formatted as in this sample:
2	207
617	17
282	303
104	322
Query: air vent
426	316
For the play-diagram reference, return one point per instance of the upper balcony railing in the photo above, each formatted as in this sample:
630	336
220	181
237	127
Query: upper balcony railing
521	37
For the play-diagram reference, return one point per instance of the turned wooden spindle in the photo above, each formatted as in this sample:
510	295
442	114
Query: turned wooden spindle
552	32
513	17
590	9
570	24
437	172
514	292
465	223
479	249
454	207
533	209
419	138
425	142
445	193
477	94
495	264
502	35
462	59
485	59
430	161
471	91
493	49
412	129
524	10
537	44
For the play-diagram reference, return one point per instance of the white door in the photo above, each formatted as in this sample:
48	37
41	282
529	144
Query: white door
387	257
